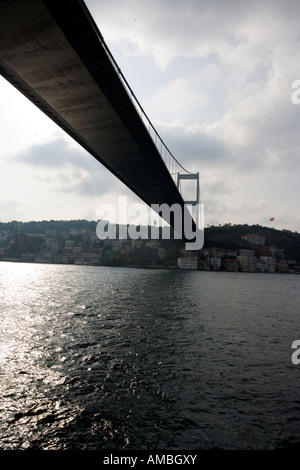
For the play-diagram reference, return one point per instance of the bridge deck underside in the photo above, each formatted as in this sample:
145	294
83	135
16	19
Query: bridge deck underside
51	52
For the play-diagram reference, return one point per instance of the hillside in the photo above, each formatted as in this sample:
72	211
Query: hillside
230	237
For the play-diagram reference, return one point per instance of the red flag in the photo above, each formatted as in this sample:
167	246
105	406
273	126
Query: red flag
272	218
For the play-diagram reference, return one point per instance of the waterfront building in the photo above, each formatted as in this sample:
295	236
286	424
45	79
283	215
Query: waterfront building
230	264
188	263
269	263
215	262
282	266
247	263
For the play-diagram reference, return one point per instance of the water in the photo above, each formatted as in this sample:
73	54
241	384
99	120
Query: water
113	358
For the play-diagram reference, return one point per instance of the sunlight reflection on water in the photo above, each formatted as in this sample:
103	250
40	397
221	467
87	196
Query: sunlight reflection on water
96	358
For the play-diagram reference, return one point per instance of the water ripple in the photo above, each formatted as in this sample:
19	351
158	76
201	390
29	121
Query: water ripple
111	358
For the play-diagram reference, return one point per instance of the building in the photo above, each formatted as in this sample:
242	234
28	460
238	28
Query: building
276	252
247	252
247	263
203	264
231	253
116	245
44	257
53	245
216	252
262	250
230	264
269	264
282	266
188	263
255	239
215	262
161	253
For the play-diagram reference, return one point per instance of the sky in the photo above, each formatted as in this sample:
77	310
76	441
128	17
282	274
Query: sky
216	79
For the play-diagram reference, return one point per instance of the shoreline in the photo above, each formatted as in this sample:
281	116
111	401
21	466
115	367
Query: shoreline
150	267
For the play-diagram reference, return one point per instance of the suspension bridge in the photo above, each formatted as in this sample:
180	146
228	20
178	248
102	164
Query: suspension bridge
55	55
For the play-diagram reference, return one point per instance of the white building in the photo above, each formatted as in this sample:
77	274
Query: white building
53	245
247	263
269	263
255	239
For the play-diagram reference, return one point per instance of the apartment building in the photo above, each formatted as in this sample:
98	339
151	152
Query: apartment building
247	263
188	263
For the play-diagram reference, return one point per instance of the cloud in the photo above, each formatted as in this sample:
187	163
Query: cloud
248	68
177	96
57	153
215	78
63	166
22	124
173	28
193	147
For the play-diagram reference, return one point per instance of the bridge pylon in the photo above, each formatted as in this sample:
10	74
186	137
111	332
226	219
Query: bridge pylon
191	202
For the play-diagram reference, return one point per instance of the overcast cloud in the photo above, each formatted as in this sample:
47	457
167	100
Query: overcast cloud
214	76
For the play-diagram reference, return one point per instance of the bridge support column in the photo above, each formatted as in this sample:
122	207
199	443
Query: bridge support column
189	205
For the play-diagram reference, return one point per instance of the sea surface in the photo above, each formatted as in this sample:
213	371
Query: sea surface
96	358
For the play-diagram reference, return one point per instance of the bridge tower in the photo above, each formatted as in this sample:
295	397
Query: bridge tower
193	203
